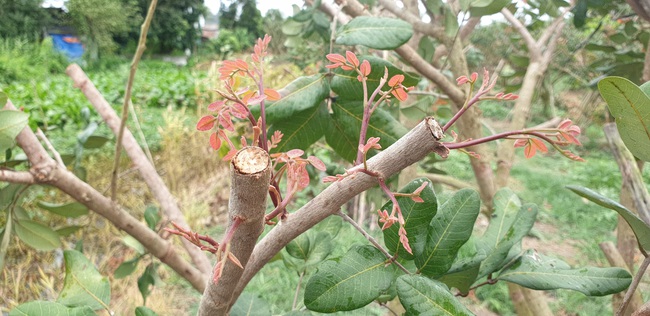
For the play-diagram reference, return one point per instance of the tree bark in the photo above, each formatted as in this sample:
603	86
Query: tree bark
250	173
168	204
46	171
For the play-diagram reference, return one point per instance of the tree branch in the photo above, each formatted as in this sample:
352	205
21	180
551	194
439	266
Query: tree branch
23	177
531	44
250	173
416	22
409	149
127	95
168	204
46	171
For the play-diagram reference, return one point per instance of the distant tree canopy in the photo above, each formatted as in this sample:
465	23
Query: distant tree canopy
175	25
22	18
242	14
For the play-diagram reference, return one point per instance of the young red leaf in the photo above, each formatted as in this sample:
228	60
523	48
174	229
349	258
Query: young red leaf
272	95
317	163
206	123
400	94
335	58
352	58
215	141
226	121
216	106
295	153
395	80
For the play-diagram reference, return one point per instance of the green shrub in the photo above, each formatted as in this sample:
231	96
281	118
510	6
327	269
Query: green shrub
22	60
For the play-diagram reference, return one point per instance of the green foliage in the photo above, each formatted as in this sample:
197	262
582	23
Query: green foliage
241	14
250	305
44	308
21	59
22	18
422	296
375	32
229	42
11	123
99	21
83	284
630	106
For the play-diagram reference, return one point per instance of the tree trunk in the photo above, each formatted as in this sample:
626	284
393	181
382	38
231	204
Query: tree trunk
616	260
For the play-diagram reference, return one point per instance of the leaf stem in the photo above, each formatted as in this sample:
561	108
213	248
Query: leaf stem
373	241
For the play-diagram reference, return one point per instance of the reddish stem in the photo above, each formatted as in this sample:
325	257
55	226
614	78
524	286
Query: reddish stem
495	137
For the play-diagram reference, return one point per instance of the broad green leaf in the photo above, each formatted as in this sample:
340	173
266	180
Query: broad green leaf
497	254
417	217
321	247
345	123
126	268
639	227
68	230
37	235
151	216
375	32
133	243
8	194
538	272
249	304
426	48
292	27
83	285
451	23
299	247
144	311
462	279
147	280
94	142
11	123
483	7
43	308
301	94
422	296
601	48
20	213
350	282
74	209
348	88
506	206
630	106
448	231
302	129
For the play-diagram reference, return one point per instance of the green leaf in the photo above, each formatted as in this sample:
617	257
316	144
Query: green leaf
448	231
11	123
639	227
345	125
94	142
144	311
73	210
301	94
299	247
351	282
43	308
426	48
601	48
417	217
422	296
83	285
451	23
3	99
147	280
37	235
483	8
302	129
68	230
321	247
538	272
331	225
151	216
348	88
126	268
630	106
134	243
249	304
375	32
461	279
497	253
8	194
506	206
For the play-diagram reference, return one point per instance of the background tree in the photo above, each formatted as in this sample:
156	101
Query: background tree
22	18
99	21
242	14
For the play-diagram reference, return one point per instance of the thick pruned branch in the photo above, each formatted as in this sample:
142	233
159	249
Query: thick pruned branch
44	170
161	193
250	173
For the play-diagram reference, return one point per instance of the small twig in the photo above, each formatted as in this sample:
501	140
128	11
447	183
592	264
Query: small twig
49	146
373	241
635	283
295	296
127	95
143	139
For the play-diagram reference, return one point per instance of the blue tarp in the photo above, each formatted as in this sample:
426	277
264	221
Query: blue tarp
69	45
